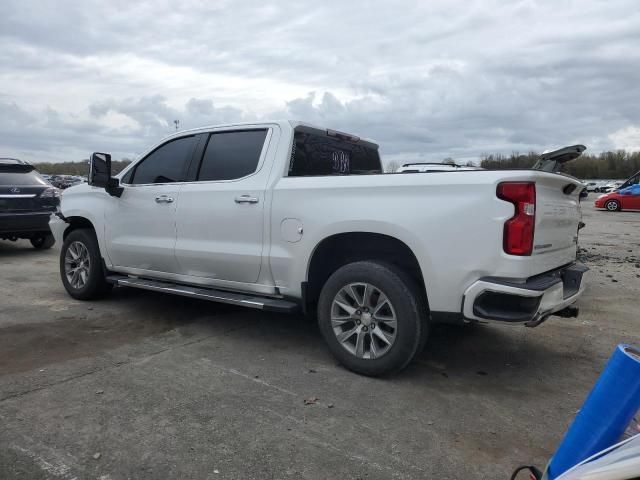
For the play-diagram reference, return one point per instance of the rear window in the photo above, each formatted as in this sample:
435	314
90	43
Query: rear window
18	178
316	153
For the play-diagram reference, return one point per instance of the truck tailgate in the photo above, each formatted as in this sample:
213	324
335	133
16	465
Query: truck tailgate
557	217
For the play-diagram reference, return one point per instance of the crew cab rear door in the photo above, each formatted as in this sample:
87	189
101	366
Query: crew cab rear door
220	217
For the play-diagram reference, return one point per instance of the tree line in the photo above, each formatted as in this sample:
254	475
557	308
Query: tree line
76	168
606	165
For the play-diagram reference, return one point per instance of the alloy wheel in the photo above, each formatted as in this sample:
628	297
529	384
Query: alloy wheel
363	320
77	264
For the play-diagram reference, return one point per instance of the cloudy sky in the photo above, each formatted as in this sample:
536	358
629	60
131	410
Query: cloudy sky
426	79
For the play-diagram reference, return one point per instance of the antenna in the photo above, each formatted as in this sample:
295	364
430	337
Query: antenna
176	123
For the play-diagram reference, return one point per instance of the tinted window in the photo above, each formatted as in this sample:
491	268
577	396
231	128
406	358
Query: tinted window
28	178
319	154
127	177
231	155
165	164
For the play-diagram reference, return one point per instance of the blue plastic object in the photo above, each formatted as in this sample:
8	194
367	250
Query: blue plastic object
605	414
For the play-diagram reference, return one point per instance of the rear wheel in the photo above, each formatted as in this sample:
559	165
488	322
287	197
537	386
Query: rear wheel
612	205
42	242
81	266
372	317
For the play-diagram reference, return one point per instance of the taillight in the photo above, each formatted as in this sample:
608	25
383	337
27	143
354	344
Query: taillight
50	192
518	230
51	196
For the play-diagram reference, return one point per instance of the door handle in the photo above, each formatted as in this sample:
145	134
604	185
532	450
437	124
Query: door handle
246	199
164	199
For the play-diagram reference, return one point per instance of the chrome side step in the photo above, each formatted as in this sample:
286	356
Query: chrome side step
244	300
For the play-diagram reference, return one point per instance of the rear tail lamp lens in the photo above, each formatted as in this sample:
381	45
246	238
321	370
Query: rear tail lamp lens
519	229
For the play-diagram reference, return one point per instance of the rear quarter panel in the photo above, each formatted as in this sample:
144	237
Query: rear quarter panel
452	221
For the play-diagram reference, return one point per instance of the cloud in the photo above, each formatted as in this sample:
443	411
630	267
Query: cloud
426	80
627	138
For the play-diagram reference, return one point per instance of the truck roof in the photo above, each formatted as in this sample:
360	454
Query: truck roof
291	123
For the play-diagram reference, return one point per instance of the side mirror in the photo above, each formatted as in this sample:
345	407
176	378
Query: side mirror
99	169
100	174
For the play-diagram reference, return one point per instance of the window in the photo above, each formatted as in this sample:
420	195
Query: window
165	164
231	155
22	179
317	153
126	178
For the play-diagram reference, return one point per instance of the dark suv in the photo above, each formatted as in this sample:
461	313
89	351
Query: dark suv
26	202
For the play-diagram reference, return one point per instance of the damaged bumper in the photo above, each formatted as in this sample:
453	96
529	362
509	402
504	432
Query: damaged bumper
58	224
527	301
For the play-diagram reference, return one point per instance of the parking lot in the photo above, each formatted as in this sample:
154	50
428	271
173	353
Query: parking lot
142	385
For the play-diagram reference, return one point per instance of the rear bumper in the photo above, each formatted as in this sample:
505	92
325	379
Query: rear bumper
20	224
528	301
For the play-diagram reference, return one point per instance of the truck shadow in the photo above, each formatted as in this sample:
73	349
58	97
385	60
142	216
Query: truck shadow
130	315
475	351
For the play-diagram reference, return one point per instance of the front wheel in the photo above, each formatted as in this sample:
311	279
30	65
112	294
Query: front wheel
372	317
612	205
81	266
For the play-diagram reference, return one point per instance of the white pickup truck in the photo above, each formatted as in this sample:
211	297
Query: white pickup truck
284	216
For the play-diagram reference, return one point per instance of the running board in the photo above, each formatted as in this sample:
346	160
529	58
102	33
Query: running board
244	300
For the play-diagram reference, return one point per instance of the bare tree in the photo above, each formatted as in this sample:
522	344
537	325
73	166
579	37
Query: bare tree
391	166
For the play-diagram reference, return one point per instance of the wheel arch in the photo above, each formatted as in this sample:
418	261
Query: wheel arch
613	200
338	249
75	222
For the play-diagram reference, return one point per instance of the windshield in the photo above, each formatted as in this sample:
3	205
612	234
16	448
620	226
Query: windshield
634	180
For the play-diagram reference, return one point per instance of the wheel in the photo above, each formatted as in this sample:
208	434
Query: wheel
612	205
597	190
373	318
42	242
81	266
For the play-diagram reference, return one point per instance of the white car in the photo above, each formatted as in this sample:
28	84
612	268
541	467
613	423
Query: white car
591	186
287	217
611	186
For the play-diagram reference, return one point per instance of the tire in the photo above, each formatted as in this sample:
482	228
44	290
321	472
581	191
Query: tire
90	281
43	242
364	351
612	205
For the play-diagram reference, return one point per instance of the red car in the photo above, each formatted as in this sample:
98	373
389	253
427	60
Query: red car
623	199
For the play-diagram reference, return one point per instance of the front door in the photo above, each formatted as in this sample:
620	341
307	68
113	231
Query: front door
140	226
220	216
